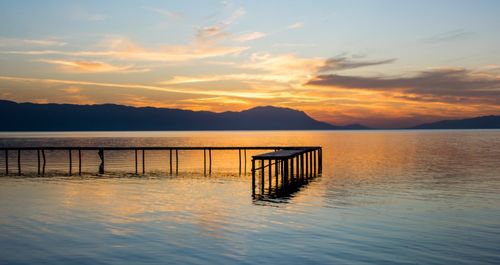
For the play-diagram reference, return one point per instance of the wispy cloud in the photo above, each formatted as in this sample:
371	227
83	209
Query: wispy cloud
92	66
344	63
296	25
451	35
206	43
14	42
235	16
124	49
242	94
164	12
250	36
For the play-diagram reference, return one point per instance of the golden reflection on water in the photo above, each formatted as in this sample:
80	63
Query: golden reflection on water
366	175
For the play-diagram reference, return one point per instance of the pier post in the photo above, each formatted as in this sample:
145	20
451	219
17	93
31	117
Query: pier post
307	164
282	169
291	170
210	161
286	172
320	160
44	162
239	153
311	163
80	162
276	173
38	161
170	162
143	161
19	162
101	156
270	175
262	173
204	162
176	161
6	161
302	166
245	156
253	177
70	162
297	174
315	162
135	156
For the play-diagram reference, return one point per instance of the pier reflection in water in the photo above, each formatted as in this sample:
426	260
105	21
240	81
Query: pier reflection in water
287	171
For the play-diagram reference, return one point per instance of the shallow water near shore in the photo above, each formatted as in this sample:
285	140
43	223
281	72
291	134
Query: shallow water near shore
385	197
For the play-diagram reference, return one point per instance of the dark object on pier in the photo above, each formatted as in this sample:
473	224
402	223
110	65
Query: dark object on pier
101	156
292	169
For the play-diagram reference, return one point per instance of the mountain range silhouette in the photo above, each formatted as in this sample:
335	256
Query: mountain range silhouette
111	117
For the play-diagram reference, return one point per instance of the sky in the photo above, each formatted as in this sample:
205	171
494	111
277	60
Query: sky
380	63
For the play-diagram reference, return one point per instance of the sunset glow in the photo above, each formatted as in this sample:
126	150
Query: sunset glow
341	62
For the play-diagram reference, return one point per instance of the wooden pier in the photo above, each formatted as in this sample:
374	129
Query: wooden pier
280	154
290	168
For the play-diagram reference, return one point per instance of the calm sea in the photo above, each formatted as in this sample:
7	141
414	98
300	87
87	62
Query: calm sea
385	197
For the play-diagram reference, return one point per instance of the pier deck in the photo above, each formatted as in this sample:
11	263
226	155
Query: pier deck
292	168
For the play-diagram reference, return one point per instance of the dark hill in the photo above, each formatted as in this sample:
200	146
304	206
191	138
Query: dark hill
484	122
110	117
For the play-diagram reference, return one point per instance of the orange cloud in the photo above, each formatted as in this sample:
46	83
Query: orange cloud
72	90
92	66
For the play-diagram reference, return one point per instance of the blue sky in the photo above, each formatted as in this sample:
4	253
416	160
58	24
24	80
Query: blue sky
381	63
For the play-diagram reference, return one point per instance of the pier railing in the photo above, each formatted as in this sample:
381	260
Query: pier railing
75	161
290	168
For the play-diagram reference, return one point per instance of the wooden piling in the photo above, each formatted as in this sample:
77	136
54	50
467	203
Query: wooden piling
143	162
210	161
170	162
176	162
302	169
270	174
245	156
320	160
310	164
276	173
44	162
205	162
38	162
314	162
239	153
135	152
287	169
262	176
297	174
253	177
307	164
282	164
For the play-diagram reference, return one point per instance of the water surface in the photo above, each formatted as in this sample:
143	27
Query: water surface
385	197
